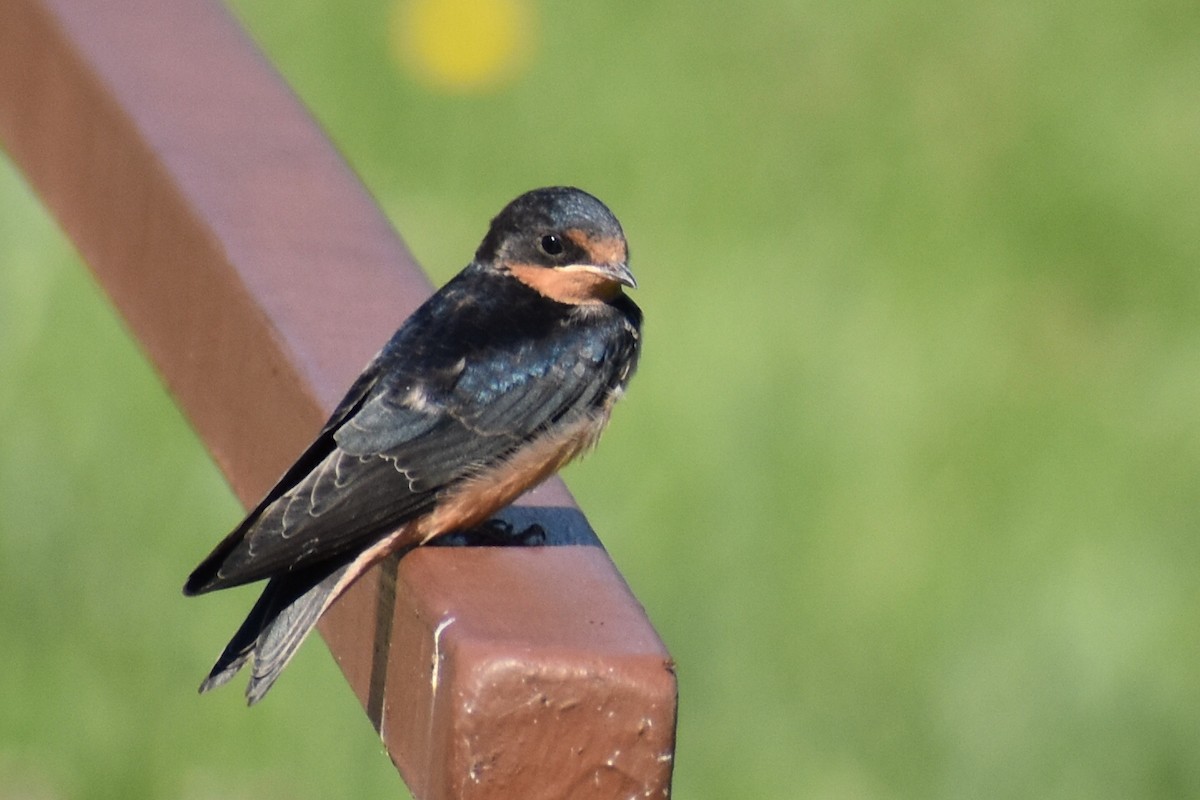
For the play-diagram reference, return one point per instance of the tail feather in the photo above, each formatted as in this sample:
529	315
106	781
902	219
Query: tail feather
278	624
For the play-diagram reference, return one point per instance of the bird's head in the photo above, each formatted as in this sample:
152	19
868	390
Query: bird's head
563	243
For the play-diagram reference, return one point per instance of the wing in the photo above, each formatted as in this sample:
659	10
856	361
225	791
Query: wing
203	578
411	433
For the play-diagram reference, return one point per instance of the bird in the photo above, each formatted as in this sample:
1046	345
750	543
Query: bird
500	378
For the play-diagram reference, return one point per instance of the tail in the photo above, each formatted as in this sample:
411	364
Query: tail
276	627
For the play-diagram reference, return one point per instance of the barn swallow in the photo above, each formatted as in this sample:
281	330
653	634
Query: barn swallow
503	376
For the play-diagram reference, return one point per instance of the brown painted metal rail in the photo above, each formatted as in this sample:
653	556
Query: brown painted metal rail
259	277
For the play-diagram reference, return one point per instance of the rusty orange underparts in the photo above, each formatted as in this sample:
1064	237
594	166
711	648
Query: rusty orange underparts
259	277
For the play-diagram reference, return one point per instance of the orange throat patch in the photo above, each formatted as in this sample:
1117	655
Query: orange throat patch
574	285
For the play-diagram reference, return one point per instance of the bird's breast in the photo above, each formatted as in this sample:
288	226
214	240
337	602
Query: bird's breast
478	497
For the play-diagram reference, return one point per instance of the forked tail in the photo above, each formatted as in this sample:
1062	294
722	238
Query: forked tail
276	627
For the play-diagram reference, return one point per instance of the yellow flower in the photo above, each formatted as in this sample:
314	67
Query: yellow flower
463	44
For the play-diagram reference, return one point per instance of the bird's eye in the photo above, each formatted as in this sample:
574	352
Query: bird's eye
551	245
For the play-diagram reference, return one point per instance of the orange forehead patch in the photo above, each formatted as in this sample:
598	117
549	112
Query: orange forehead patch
601	249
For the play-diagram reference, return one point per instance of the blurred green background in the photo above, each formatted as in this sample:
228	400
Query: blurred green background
909	481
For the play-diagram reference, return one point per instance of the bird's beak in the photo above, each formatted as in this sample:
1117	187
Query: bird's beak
617	273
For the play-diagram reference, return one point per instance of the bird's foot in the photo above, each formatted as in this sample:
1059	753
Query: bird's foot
498	533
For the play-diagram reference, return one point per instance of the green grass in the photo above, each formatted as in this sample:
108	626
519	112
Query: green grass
909	481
